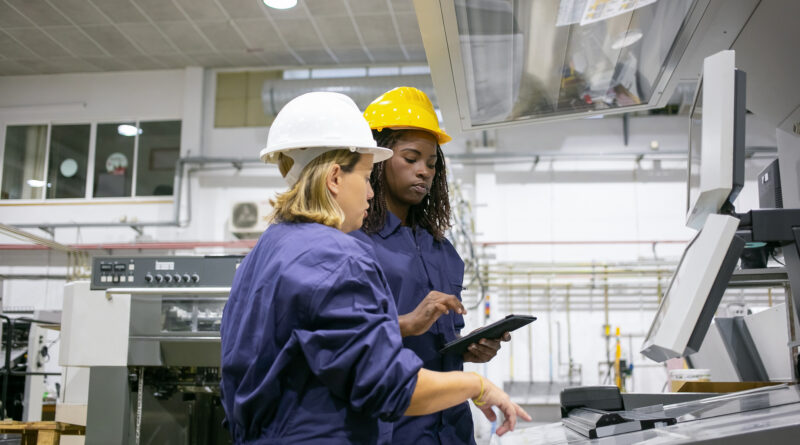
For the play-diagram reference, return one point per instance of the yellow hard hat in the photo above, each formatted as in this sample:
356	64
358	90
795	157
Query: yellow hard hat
404	108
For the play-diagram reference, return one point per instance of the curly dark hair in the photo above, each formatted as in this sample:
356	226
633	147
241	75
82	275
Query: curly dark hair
432	214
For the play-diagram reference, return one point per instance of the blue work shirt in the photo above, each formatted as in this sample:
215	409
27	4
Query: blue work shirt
311	349
415	264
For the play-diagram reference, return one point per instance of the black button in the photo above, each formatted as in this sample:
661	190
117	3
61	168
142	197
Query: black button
119	267
105	267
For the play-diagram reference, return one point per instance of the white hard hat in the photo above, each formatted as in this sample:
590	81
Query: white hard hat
315	123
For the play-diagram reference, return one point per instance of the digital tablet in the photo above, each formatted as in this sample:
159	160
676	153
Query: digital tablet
492	331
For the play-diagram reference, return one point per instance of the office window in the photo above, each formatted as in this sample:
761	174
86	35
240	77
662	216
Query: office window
113	159
24	162
159	150
69	156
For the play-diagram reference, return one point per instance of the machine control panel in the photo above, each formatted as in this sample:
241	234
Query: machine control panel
164	271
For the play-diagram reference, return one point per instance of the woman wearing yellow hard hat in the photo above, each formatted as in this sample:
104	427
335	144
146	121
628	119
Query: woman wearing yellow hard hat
406	223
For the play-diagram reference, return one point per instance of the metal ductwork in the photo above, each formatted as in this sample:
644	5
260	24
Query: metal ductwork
363	90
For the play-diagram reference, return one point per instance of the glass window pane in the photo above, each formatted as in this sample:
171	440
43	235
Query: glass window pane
23	162
113	162
159	149
525	59
69	156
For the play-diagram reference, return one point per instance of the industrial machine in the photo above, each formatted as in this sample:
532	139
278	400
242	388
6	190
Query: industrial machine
147	330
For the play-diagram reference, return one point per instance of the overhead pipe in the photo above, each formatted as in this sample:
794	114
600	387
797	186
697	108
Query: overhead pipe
275	93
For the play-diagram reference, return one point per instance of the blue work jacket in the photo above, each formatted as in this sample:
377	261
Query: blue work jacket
415	264
311	349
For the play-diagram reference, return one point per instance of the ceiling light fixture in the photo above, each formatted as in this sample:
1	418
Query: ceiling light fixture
281	4
128	130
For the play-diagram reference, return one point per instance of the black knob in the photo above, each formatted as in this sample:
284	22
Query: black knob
148	278
168	277
177	278
186	277
195	277
159	278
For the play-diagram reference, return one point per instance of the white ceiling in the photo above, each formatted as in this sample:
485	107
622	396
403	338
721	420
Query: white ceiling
61	36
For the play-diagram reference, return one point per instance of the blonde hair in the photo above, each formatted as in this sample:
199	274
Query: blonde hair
309	199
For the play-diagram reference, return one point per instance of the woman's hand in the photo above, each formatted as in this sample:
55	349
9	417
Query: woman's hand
427	312
494	396
485	349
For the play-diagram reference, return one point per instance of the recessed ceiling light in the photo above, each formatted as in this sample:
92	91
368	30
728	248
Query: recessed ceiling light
281	4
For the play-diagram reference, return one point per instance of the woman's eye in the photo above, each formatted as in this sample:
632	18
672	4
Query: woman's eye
410	161
431	166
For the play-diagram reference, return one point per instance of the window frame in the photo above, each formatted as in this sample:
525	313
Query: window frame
90	164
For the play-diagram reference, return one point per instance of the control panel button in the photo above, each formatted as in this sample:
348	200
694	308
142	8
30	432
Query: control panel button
159	278
177	278
186	278
105	267
195	277
148	278
168	278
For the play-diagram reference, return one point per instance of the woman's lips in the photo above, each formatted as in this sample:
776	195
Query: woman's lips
421	189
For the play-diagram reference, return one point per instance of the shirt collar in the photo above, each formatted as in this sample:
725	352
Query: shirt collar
390	226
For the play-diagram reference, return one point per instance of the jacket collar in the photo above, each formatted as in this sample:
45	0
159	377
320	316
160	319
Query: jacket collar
390	226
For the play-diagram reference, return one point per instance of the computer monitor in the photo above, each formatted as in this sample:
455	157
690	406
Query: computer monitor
695	291
716	140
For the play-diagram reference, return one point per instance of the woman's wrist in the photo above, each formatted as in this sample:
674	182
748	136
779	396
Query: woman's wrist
477	398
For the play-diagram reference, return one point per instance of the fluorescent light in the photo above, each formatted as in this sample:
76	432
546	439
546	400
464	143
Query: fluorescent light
281	4
128	130
35	183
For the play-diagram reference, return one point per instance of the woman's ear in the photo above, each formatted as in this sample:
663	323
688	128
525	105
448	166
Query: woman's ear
334	179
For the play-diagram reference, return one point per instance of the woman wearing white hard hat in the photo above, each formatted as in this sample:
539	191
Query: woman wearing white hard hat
311	348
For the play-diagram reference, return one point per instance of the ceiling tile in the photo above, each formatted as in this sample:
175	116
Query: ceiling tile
223	36
287	14
81	12
244	59
360	7
109	63
38	66
320	8
74	40
185	37
11	18
298	33
13	50
160	10
259	33
338	31
416	54
149	39
38	42
242	9
277	57
210	60
202	9
144	63
111	40
378	32
402	5
12	68
39	12
120	11
351	55
409	29
314	56
72	65
174	60
391	54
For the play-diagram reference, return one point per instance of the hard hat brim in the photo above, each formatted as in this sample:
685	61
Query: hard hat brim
380	154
